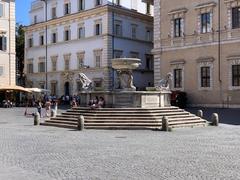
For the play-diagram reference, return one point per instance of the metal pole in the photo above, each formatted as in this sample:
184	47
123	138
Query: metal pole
46	66
219	50
46	83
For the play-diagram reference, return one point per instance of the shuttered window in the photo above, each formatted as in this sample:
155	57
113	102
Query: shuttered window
3	43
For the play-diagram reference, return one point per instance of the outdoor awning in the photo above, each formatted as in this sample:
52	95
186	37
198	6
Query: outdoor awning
14	88
37	90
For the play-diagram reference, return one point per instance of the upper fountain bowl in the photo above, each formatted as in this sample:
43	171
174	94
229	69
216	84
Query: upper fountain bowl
126	63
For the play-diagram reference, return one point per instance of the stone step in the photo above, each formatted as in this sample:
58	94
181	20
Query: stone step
190	125
123	124
124	113
62	122
123	109
64	118
123	127
59	125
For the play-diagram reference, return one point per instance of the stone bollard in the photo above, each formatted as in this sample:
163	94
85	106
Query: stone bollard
200	113
36	119
215	119
165	126
81	123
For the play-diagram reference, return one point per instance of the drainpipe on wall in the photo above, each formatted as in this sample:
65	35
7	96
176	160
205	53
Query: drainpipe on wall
46	50
219	53
113	41
9	42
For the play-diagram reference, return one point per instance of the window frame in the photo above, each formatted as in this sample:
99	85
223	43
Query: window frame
236	22
177	25
3	43
205	22
177	81
236	76
205	75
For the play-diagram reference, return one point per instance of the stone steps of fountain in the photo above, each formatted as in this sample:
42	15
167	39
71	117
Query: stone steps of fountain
123	112
122	119
125	116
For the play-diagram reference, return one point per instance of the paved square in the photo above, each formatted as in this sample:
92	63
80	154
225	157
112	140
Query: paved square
46	153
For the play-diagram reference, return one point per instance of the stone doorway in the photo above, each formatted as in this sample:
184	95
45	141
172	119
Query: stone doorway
67	88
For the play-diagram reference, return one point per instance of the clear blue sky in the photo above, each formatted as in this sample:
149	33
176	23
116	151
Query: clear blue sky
22	9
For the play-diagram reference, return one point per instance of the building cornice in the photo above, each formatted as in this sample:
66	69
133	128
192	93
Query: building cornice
87	13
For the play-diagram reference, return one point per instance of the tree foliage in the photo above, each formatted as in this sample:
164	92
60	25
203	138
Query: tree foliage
20	44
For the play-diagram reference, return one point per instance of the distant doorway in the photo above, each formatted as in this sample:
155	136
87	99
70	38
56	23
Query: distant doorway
67	89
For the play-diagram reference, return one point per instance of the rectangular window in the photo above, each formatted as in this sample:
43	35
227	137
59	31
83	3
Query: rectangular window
205	76
35	19
30	42
54	88
134	31
41	67
54	65
54	37
1	10
29	68
81	33
205	22
80	63
134	55
148	8
41	39
3	43
67	62
97	29
98	2
178	27
98	61
81	5
118	29
54	13
177	78
149	62
118	54
116	2
67	8
236	17
148	35
67	35
236	75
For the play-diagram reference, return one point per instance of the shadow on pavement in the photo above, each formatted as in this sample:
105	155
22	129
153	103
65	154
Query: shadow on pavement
226	116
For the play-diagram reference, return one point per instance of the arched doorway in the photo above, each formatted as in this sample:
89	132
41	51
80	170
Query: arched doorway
67	88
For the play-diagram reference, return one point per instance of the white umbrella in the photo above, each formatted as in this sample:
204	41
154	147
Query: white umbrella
37	90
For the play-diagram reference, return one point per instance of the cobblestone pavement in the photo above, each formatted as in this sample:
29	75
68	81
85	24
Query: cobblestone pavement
47	153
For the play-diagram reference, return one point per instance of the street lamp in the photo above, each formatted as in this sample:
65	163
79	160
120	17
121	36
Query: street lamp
46	83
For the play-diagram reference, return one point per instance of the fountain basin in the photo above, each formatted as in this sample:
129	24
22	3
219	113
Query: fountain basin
126	63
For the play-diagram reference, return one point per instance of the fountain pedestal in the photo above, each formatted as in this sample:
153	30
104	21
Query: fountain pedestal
129	99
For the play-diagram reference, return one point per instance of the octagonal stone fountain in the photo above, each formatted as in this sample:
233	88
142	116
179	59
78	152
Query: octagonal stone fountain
124	94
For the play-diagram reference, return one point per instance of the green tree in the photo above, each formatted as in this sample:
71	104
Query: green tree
20	44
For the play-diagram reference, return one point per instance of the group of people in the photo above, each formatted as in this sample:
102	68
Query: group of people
97	102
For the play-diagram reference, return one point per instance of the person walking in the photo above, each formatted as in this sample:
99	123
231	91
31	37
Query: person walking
39	108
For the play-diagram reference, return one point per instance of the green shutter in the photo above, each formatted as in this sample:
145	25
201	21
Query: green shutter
4	43
1	43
